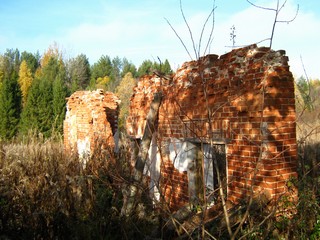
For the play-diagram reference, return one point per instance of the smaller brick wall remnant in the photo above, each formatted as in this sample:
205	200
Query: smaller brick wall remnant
236	111
91	121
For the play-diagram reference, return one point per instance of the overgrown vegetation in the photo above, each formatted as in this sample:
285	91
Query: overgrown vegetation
46	194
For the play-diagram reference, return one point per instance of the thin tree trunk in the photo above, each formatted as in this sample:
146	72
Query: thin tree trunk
133	191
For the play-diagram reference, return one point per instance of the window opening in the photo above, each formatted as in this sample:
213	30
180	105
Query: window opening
215	153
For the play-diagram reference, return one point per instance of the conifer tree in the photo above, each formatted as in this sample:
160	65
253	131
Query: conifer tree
38	112
100	70
32	60
59	99
145	68
45	106
29	116
1	69
10	106
166	68
128	67
148	67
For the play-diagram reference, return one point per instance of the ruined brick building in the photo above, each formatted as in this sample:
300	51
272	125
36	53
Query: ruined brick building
224	121
232	114
91	122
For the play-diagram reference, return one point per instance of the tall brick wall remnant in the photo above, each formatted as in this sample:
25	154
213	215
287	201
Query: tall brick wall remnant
91	122
238	109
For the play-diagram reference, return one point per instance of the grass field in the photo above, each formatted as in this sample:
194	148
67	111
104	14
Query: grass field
45	194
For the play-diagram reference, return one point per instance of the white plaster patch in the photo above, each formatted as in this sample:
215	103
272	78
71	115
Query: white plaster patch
181	154
152	169
83	147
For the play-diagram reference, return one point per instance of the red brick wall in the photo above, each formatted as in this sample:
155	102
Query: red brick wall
244	98
174	185
91	118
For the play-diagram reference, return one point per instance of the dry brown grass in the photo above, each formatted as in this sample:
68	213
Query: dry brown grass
46	194
42	191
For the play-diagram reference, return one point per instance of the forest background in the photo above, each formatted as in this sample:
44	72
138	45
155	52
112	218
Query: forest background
34	88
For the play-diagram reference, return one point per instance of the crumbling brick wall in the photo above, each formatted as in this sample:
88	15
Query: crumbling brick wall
243	100
91	122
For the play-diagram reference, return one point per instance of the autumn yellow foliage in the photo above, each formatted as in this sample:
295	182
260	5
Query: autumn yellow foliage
102	82
124	91
53	51
25	80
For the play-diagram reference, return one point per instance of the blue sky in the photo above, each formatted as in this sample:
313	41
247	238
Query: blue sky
137	30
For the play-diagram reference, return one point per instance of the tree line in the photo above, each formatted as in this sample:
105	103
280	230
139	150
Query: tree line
34	87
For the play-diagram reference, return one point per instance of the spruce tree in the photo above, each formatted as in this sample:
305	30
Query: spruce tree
145	68
59	100
166	68
38	112
45	106
29	115
128	67
101	70
32	60
10	106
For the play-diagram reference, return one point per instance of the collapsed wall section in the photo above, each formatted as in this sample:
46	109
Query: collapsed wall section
91	122
243	100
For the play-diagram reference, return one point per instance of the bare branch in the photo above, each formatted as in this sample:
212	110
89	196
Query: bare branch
306	75
274	24
257	6
190	32
202	31
212	28
241	46
271	214
185	47
291	20
304	70
277	11
282	6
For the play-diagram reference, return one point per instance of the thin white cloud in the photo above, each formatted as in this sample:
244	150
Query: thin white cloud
298	38
141	33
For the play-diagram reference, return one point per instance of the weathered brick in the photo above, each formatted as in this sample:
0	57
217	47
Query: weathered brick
231	91
91	119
